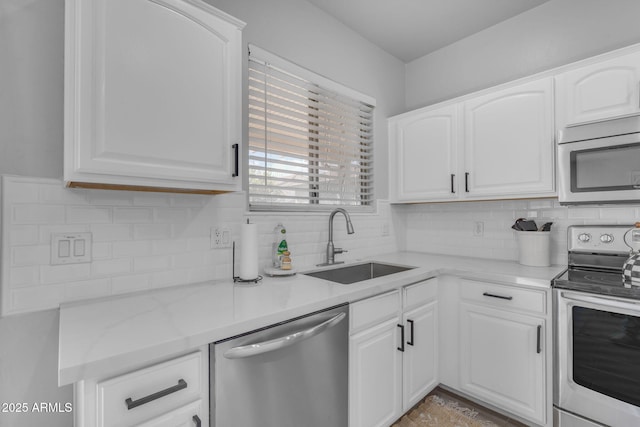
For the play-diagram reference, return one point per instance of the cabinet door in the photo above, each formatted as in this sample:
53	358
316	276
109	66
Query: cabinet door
420	361
423	155
375	376
509	142
599	91
188	416
142	109
502	361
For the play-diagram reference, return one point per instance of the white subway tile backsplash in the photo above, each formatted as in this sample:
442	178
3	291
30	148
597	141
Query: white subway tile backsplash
172	215
24	192
132	215
64	273
147	240
151	263
88	215
132	248
130	283
111	232
30	255
85	289
151	231
101	250
34	298
169	246
110	267
23	235
24	276
37	214
446	228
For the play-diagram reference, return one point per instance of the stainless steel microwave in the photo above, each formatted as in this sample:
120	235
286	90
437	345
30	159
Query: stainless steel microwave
599	162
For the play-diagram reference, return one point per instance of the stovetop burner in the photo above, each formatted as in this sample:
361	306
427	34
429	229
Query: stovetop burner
599	282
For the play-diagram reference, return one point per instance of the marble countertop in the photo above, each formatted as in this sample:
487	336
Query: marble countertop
107	335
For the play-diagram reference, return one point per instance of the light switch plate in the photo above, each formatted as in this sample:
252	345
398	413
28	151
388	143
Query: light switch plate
70	248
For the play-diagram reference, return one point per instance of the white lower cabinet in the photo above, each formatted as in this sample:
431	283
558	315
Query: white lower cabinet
393	359
169	394
375	381
503	348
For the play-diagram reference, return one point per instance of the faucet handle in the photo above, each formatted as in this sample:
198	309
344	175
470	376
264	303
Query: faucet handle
339	250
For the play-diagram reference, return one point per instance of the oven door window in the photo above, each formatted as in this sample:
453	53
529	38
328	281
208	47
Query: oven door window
606	353
612	168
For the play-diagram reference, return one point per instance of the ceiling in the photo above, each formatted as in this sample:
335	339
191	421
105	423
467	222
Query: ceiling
409	29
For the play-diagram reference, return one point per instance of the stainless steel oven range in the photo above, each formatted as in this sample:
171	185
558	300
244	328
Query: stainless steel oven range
597	333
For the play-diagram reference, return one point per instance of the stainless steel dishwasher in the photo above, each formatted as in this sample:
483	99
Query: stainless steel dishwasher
291	374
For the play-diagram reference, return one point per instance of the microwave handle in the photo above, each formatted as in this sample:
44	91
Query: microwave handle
603	301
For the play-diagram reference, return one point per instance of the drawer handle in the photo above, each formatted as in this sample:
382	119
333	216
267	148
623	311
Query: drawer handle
466	182
410	342
196	419
182	384
453	189
487	294
401	348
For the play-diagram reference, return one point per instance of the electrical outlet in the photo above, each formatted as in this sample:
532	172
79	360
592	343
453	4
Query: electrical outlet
220	237
478	229
385	229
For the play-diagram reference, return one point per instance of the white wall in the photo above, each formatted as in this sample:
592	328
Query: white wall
31	75
555	33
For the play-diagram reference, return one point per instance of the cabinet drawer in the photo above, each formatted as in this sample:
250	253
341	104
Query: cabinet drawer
373	310
420	293
141	395
504	296
187	416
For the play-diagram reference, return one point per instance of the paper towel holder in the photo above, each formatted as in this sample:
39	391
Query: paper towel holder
237	279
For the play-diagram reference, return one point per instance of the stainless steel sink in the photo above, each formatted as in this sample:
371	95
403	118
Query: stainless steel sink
357	273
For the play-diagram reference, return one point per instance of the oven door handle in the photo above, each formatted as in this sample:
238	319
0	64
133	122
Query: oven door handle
602	300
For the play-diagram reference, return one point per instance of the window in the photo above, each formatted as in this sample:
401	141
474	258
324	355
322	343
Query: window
310	139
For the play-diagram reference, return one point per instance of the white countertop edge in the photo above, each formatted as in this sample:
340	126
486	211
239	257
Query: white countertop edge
73	368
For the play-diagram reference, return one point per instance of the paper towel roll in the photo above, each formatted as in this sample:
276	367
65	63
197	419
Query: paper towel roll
249	251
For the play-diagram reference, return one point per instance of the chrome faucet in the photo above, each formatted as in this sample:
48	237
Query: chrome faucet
331	250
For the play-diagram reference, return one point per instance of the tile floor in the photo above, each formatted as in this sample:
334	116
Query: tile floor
483	413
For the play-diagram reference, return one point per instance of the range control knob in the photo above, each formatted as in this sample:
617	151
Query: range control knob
606	238
584	237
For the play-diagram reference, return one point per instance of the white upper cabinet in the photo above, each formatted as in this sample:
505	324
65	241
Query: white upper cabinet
496	145
424	155
152	95
509	144
600	90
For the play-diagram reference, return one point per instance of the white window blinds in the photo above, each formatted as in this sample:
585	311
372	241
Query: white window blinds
310	139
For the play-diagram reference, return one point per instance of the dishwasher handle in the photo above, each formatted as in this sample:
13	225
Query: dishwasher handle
282	342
